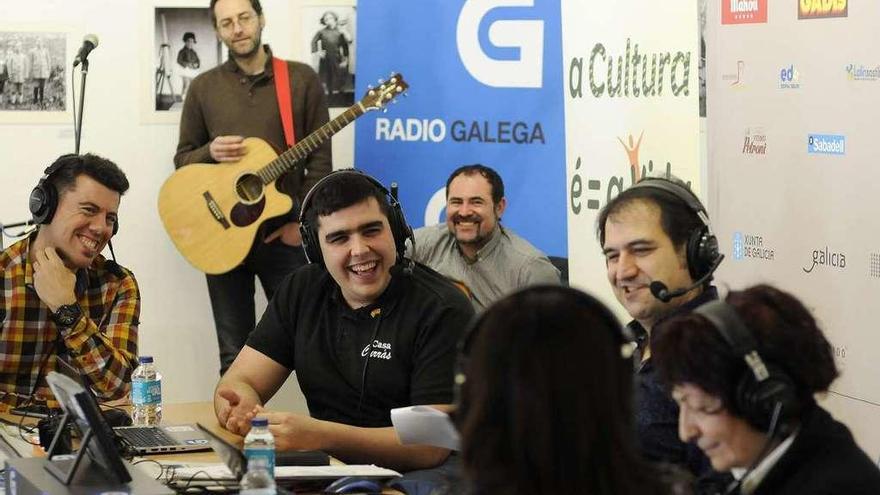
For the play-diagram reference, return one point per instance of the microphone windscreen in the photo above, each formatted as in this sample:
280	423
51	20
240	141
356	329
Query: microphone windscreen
91	38
660	291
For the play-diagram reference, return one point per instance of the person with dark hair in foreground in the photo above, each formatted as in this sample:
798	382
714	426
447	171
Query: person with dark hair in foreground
365	329
473	248
545	401
744	373
59	296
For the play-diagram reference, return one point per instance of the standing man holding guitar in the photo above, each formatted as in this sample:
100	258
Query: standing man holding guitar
239	99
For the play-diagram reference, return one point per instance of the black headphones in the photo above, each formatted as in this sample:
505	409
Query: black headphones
400	230
625	338
763	386
43	200
702	245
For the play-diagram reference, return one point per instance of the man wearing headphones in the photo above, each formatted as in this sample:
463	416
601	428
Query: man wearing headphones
59	296
660	254
474	248
365	329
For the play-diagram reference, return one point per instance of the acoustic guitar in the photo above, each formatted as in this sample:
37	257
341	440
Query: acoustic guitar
212	210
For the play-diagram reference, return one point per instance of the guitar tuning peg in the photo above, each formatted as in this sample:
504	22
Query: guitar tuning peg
369	86
381	81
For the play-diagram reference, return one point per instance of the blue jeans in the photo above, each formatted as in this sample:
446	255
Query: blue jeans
232	293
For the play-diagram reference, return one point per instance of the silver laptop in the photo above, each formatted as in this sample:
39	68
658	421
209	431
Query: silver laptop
148	439
163	439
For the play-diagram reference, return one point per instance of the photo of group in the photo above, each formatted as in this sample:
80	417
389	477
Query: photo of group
32	71
185	46
329	37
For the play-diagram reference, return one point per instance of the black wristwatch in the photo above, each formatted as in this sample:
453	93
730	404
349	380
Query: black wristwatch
66	316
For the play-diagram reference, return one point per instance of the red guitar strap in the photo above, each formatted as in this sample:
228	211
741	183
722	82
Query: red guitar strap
282	92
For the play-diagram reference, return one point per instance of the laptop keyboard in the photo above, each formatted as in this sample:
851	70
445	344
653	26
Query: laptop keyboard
148	436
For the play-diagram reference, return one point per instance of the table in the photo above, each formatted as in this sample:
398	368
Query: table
190	412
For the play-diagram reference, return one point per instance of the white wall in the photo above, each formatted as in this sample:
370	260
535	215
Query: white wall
177	327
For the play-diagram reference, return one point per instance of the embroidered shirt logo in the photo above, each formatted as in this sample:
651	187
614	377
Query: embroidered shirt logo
377	350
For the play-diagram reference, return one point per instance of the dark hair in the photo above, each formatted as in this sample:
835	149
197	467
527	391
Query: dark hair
189	35
489	174
547	403
334	14
98	168
255	4
677	219
341	190
688	349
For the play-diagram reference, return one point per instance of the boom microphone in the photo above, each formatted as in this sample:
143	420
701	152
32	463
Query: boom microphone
661	292
90	42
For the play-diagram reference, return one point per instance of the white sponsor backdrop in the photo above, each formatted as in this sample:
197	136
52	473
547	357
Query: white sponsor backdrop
806	222
653	99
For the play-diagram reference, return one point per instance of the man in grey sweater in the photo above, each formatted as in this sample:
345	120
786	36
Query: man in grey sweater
473	249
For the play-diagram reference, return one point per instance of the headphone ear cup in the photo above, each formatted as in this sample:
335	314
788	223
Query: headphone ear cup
115	227
42	203
399	229
757	400
702	251
310	243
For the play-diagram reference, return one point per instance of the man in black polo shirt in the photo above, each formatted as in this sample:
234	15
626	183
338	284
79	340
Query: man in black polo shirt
365	329
660	254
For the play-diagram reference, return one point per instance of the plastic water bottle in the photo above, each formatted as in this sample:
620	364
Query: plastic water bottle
146	394
257	480
260	444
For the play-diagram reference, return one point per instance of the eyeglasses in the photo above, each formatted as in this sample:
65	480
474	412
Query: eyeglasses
243	19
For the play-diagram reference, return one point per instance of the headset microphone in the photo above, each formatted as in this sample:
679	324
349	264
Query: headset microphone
661	292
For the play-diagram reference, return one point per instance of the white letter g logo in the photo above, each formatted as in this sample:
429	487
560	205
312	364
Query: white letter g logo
527	35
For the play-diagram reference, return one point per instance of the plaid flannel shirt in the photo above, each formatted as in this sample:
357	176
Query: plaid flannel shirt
102	344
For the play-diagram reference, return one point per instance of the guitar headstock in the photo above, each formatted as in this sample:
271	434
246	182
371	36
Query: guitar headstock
376	98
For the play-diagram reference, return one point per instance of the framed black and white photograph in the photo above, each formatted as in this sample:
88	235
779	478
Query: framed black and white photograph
34	76
329	34
185	46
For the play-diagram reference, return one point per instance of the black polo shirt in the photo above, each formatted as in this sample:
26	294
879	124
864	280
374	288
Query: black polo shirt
404	343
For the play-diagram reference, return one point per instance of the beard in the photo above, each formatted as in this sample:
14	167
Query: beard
478	238
257	44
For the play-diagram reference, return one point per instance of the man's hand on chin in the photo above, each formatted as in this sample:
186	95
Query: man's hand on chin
53	281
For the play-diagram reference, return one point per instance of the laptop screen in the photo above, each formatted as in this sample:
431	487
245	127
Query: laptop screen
229	454
81	406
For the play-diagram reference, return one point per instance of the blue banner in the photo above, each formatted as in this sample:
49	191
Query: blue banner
486	87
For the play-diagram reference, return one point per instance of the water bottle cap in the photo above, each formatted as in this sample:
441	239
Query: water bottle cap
145	359
260	422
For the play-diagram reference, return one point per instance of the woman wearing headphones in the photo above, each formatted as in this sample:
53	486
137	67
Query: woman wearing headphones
744	373
545	400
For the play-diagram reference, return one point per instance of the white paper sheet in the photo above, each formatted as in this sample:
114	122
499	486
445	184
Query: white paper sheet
424	425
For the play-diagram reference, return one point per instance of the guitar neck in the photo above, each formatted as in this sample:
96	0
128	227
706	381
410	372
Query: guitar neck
304	148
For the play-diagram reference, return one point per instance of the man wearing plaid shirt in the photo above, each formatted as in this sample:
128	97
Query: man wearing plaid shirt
59	296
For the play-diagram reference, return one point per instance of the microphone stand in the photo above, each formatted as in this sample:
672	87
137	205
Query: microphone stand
82	97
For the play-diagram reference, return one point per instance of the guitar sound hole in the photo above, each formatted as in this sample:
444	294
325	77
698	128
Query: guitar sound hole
249	188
